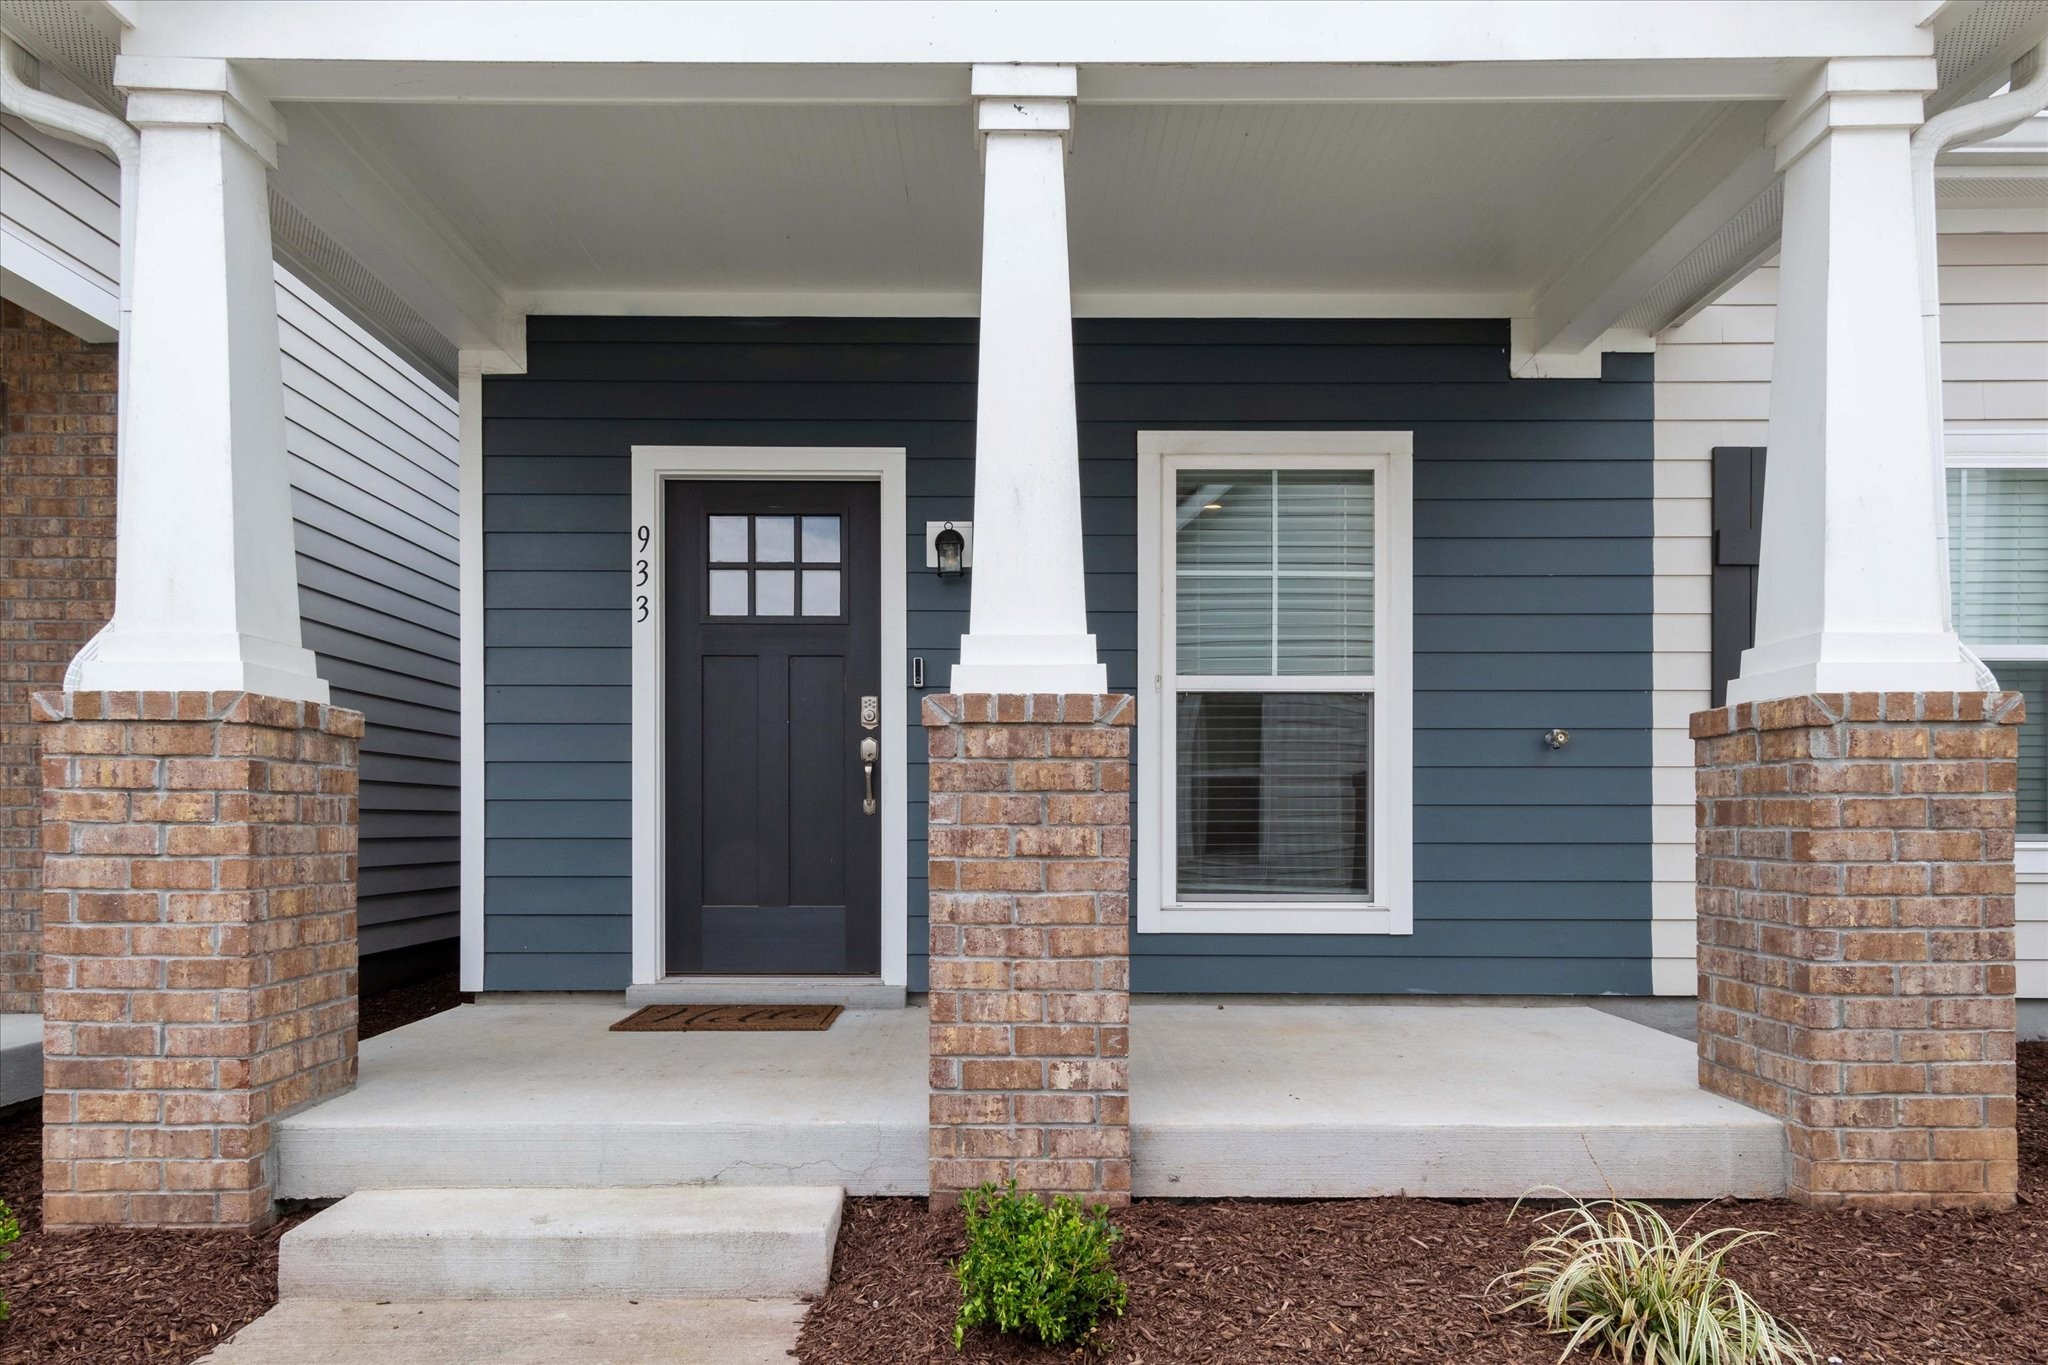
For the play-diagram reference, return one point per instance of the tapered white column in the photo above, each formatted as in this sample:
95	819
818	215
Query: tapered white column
205	587
1028	628
1849	590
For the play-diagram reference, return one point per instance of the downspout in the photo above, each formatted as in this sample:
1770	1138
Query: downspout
1951	128
94	128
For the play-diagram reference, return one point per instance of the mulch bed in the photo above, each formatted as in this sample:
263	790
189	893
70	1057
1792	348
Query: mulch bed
1406	1279
120	1297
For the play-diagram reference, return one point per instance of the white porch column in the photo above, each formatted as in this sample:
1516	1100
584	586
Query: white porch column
205	587
1849	597
1028	628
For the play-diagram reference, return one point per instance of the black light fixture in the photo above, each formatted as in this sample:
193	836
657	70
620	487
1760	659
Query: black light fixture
950	547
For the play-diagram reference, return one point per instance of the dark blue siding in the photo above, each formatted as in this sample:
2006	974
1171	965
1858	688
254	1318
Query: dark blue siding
1532	598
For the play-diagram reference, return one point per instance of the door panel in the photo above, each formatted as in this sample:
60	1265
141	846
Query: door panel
774	616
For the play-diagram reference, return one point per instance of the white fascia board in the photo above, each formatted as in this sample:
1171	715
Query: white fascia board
900	83
1720	172
54	291
375	36
966	303
394	231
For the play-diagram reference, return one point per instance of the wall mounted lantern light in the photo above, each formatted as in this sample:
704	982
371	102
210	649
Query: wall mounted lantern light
949	547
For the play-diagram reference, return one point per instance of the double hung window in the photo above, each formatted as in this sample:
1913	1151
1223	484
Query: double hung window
1275	787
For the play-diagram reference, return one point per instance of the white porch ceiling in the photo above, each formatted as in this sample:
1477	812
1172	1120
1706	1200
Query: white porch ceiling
564	202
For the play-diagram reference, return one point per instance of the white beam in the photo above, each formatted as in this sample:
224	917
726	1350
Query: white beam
1089	32
1028	618
52	289
1719	173
394	231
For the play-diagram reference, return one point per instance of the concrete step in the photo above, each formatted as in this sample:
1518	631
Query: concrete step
529	1332
610	1243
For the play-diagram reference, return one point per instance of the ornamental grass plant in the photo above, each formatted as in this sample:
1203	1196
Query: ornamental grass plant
1035	1270
1613	1275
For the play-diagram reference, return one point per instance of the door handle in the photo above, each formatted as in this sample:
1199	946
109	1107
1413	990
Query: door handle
868	752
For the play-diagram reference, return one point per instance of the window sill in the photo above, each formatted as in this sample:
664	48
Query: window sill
1270	919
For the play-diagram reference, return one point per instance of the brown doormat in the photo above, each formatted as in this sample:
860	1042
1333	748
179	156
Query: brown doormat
729	1019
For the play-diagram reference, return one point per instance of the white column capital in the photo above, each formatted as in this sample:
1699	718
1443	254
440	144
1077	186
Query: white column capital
1024	99
1850	92
200	92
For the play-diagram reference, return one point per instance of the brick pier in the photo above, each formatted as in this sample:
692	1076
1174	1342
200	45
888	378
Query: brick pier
199	946
1030	942
1856	937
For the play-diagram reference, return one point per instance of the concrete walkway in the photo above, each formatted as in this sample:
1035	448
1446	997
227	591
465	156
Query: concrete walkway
1274	1100
651	1332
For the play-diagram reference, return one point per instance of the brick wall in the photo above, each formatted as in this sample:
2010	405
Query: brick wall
1030	842
56	583
1856	937
199	946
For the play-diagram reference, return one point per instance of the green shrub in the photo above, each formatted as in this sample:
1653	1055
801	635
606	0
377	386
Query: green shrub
1617	1276
10	1230
1034	1269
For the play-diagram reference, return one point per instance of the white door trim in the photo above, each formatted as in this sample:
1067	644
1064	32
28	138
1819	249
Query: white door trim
655	465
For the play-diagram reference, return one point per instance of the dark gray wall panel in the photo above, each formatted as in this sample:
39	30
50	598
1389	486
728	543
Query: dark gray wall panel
1533	609
374	474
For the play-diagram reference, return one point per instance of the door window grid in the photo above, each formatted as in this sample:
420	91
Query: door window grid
766	566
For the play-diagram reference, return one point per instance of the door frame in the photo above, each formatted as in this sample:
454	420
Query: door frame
654	466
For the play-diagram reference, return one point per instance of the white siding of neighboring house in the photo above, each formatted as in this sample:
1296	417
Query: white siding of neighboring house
374	470
1713	389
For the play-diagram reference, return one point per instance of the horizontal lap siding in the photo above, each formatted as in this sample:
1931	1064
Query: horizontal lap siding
1532	610
1713	389
374	463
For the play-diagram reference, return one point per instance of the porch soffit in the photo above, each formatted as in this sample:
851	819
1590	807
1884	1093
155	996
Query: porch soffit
1380	199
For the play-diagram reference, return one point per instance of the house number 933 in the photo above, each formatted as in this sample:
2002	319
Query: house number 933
641	537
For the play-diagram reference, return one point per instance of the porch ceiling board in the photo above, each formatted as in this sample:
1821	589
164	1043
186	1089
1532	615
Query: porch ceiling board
1393	208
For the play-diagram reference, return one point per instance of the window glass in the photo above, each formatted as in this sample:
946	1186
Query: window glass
1998	555
728	540
775	539
2031	679
774	592
821	592
1274	796
728	592
1273	578
1274	573
821	540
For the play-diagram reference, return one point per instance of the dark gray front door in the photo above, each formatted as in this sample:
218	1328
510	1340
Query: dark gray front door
774	641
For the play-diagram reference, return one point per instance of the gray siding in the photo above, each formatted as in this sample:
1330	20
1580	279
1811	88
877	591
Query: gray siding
1532	599
374	456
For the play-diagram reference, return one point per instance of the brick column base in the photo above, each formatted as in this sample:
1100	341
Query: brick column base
1030	944
1856	941
199	946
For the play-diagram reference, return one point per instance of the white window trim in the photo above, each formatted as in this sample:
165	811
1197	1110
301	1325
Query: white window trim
2017	449
1390	454
652	467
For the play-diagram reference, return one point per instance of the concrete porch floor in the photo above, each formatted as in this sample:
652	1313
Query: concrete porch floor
1268	1100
